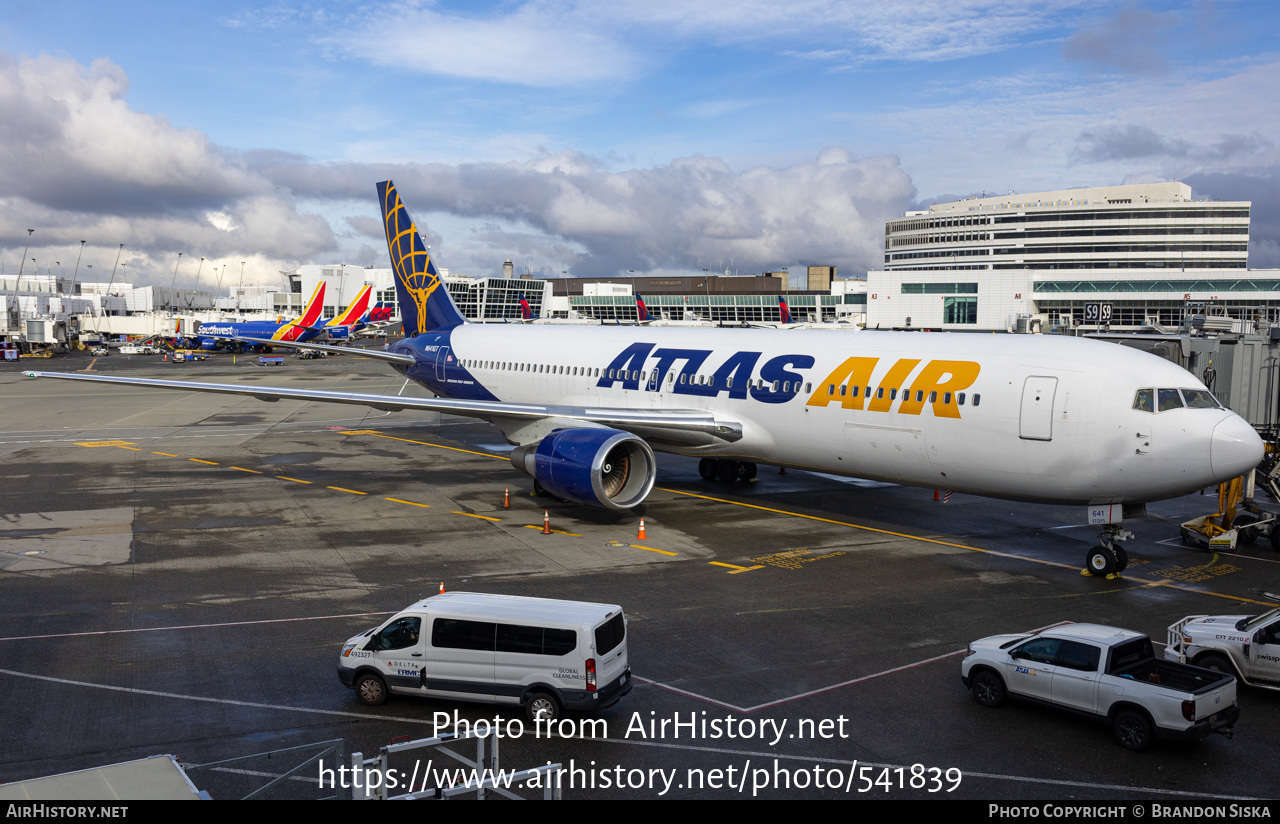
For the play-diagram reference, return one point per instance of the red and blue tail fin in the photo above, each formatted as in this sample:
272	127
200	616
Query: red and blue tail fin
526	311
424	305
783	310
642	311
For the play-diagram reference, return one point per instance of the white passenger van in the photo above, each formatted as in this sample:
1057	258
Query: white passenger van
544	655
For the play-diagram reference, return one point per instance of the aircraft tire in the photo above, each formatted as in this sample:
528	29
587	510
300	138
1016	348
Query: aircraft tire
1122	559
746	471
539	489
707	468
727	471
1100	561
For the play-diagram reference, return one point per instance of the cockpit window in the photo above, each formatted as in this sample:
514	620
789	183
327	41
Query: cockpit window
1144	400
1199	399
1169	399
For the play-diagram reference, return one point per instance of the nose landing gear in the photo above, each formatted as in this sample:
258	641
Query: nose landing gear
1108	558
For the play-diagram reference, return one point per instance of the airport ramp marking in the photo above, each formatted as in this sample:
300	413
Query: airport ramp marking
473	515
735	569
104	443
373	716
556	531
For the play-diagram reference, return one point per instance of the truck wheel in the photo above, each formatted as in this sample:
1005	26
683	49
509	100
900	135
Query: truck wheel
1100	561
542	705
1215	662
371	689
1133	730
988	689
1244	532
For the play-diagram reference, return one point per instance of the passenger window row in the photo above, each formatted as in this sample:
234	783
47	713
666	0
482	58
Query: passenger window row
852	392
1151	400
448	633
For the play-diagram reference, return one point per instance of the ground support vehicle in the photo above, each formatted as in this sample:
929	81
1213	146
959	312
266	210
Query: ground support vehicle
1247	646
271	360
1107	674
1239	519
547	656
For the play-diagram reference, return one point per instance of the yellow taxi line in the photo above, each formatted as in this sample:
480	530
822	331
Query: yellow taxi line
473	515
556	531
410	503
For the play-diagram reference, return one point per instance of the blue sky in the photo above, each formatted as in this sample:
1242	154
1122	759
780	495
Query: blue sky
600	137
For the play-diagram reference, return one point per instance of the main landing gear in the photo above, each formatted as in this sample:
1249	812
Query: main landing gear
1108	557
725	470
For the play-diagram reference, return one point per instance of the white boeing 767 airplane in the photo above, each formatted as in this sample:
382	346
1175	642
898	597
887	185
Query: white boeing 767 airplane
1029	418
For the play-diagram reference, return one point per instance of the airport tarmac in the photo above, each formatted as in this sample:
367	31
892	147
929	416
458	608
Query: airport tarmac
178	572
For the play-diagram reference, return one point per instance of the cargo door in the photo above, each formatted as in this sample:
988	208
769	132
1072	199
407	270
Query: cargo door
1036	420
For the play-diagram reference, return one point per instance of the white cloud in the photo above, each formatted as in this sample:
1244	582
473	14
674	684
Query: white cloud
78	163
543	43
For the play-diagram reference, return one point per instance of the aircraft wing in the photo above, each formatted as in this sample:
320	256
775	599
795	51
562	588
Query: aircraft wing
376	354
688	426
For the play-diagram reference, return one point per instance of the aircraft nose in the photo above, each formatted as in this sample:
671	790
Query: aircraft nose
1236	448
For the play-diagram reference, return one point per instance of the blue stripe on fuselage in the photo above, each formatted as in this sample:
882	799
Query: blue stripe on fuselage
448	379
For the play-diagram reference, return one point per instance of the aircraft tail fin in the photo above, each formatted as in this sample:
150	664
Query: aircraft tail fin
425	306
784	311
353	313
526	311
642	311
307	320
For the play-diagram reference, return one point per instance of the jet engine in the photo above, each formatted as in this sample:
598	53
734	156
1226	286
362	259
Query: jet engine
593	466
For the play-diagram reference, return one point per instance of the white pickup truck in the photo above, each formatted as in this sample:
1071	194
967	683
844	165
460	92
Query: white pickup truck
1107	674
1247	646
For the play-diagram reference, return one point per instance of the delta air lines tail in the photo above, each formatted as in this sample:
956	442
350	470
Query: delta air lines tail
1029	417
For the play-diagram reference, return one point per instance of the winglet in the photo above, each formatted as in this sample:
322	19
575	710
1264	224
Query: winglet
424	306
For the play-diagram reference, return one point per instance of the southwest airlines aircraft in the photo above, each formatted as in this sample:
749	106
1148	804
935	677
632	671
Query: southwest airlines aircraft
216	335
1030	418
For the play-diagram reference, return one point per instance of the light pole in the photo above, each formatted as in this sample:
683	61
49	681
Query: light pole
240	290
25	249
77	269
169	297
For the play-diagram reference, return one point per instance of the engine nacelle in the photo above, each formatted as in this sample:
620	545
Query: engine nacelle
209	344
597	467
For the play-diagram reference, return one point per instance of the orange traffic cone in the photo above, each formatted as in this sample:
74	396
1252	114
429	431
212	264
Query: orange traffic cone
936	496
441	588
506	497
642	536
546	522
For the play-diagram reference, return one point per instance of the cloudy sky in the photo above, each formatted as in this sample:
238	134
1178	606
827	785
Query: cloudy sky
595	138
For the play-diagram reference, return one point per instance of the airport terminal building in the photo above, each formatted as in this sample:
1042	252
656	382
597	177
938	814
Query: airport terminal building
1149	252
